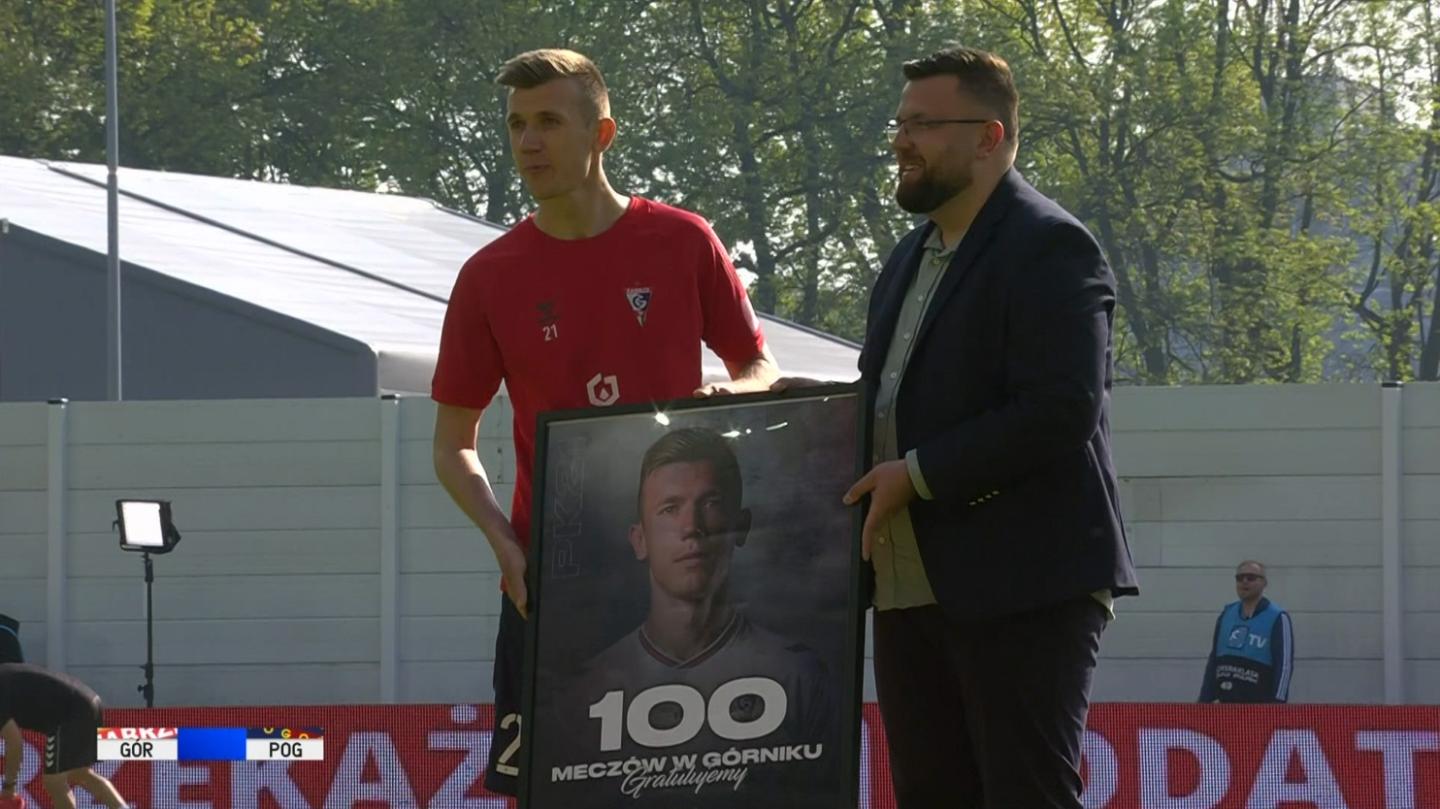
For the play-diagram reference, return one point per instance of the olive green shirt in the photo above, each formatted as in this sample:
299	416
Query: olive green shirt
900	580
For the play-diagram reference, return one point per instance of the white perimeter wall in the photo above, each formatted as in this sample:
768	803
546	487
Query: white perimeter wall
321	563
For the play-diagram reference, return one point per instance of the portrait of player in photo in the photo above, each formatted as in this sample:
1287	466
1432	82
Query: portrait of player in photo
697	622
690	523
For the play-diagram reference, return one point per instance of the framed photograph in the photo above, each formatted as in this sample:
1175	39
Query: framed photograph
696	630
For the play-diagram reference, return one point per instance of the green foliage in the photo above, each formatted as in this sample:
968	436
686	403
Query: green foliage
1262	175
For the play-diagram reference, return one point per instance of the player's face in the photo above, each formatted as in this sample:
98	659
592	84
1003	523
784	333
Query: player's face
689	527
935	163
554	138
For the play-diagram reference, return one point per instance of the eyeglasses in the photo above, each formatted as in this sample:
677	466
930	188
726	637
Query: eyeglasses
1249	577
910	126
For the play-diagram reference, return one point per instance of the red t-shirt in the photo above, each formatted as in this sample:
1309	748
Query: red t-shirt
614	319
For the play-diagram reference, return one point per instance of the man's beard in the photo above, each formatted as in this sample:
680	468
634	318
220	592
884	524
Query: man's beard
930	191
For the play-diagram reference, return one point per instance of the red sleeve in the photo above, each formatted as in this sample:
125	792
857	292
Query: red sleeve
731	329
469	368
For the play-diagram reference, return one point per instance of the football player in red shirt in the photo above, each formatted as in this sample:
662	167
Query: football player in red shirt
596	299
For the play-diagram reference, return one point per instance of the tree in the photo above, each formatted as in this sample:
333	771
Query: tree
1262	174
53	93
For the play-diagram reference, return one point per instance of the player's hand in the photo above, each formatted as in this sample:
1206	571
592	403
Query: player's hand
890	490
730	388
12	801
512	568
785	383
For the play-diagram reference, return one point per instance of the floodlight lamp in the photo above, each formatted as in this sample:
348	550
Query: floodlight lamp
145	526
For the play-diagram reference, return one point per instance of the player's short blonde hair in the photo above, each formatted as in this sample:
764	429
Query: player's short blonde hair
534	68
694	445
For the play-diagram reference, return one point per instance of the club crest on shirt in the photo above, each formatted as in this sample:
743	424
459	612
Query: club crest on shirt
639	298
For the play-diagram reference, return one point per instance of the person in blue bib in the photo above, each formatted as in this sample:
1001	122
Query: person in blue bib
1253	652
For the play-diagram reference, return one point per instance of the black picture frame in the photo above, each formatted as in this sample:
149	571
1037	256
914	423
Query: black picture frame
832	419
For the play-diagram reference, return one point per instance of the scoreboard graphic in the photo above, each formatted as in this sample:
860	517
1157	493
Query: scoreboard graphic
1136	755
211	744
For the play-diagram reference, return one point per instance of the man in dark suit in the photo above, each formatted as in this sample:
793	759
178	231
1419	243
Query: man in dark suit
994	525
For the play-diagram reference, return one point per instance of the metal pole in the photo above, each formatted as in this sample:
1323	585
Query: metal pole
1392	514
148	689
389	548
57	576
112	209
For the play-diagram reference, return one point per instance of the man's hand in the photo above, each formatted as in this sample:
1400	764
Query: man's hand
780	385
890	490
785	383
754	376
732	386
512	568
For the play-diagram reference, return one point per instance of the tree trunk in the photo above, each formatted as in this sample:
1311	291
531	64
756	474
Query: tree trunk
752	202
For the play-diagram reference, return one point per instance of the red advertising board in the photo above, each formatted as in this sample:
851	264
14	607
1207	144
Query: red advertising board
1138	756
1262	757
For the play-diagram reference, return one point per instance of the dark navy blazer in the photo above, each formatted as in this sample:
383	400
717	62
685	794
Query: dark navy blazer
1006	397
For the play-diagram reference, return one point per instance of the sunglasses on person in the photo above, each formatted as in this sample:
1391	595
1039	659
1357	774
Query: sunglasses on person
1249	577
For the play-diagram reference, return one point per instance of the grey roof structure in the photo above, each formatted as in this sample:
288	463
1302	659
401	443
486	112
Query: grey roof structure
361	273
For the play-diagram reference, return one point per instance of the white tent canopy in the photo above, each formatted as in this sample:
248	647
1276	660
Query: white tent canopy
375	269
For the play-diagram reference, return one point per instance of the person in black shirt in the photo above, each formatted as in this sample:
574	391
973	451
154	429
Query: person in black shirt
10	651
67	712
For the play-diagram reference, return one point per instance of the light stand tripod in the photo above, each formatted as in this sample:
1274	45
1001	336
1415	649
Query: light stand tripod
145	526
147	689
